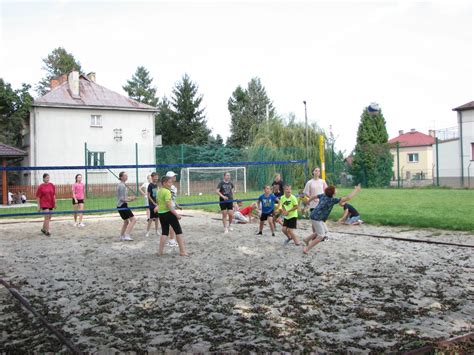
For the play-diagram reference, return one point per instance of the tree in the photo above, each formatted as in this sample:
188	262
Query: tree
165	124
372	165
187	116
57	63
139	87
247	108
14	113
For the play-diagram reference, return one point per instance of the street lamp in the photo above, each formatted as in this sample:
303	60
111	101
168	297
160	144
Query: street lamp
306	128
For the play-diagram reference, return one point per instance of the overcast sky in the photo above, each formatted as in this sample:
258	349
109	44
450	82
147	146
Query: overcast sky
414	58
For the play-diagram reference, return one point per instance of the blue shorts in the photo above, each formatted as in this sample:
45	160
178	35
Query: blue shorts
353	220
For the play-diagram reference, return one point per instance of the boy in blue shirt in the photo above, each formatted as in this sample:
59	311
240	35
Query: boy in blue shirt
266	205
321	213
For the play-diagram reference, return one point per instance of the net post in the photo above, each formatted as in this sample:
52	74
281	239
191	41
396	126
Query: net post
85	169
136	169
245	180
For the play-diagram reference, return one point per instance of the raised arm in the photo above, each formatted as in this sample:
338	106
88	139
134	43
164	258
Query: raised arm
352	194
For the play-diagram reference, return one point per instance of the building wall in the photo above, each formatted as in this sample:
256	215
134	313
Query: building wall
58	135
423	169
467	141
449	163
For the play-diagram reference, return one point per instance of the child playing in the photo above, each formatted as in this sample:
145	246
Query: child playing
289	210
125	213
266	203
46	197
321	213
350	216
174	195
243	215
168	216
152	193
303	202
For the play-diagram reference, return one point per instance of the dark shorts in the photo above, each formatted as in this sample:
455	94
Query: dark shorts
153	214
264	216
46	209
290	223
168	219
125	214
78	202
224	205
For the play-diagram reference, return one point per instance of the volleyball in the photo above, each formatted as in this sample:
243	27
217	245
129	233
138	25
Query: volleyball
373	108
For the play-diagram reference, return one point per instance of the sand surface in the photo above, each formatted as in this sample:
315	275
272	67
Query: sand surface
236	292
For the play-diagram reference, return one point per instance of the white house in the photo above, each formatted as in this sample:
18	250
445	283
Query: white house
456	155
80	122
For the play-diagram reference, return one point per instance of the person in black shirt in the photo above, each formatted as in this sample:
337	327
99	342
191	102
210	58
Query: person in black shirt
350	216
277	186
225	190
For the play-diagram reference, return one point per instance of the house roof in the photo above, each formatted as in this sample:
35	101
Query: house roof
7	151
413	139
468	106
92	95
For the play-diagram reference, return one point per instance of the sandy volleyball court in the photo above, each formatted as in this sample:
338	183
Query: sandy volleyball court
236	292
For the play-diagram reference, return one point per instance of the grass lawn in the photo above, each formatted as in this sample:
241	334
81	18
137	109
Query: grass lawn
436	208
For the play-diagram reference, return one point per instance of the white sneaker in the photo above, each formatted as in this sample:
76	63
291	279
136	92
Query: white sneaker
147	234
81	224
173	243
168	244
75	224
231	229
157	233
226	230
127	238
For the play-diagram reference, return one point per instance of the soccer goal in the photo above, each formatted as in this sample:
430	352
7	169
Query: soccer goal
202	180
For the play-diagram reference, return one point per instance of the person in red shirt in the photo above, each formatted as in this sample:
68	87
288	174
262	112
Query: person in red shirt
46	197
243	214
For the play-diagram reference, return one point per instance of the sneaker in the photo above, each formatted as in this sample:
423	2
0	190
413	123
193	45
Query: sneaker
81	225
75	224
169	244
157	233
286	241
231	229
226	230
259	233
173	243
127	238
147	234
325	238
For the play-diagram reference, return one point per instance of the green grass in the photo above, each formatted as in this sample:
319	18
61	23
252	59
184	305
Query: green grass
420	208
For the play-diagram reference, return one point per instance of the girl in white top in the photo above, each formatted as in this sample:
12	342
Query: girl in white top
315	187
144	191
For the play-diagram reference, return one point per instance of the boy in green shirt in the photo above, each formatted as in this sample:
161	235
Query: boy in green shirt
168	216
289	210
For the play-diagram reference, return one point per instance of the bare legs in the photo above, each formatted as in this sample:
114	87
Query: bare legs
311	241
179	239
127	226
289	232
230	215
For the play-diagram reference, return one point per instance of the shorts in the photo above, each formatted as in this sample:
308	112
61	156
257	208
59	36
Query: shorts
125	214
264	216
290	223
153	214
46	209
78	202
239	217
168	219
320	227
226	205
353	219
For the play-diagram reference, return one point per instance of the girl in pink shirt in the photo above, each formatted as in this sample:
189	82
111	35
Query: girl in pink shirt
78	195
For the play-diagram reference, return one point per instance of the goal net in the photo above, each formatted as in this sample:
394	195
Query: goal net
204	180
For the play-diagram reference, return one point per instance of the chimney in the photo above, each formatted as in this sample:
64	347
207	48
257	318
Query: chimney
91	76
54	83
62	79
73	80
432	133
400	132
412	130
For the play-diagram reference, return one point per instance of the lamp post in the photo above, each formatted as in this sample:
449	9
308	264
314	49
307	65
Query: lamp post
306	128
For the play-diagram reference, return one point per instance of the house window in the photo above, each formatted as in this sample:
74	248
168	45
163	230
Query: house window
95	158
96	121
413	157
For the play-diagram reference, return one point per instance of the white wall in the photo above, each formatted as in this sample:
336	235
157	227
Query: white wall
449	162
58	136
468	139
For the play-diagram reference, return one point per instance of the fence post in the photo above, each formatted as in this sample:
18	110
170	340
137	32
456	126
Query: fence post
136	170
437	162
85	168
182	153
398	164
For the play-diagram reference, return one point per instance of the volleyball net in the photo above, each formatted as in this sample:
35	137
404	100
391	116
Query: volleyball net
196	184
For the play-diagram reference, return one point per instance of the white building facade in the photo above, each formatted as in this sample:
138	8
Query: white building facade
81	123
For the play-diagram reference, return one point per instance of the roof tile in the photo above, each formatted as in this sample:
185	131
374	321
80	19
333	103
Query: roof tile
413	139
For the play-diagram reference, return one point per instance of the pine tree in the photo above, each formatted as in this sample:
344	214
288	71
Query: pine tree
139	88
187	115
165	124
14	113
247	108
372	165
57	63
